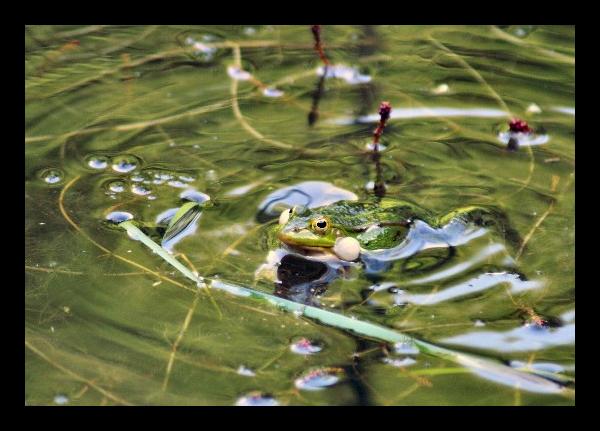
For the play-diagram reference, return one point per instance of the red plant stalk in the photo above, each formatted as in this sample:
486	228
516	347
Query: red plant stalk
316	31
385	109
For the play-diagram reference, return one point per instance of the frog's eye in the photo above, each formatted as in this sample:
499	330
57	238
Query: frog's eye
321	225
285	215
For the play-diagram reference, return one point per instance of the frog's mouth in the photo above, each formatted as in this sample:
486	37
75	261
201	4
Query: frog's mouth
305	239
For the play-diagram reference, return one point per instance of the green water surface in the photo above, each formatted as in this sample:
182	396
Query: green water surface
109	323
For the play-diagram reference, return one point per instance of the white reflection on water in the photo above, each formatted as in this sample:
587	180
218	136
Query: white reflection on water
349	74
477	284
404	113
524	139
525	338
459	268
421	236
311	194
564	110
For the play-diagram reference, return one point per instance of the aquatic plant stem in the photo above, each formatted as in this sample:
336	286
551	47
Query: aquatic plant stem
138	235
484	367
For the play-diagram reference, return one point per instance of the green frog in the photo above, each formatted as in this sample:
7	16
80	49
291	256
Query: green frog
348	228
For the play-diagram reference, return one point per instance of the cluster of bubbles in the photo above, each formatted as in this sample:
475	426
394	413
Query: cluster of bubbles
314	379
138	182
122	163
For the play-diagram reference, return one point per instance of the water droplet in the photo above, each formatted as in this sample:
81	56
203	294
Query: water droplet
119	217
124	163
141	190
97	162
61	399
137	178
256	399
117	186
151	197
243	371
52	176
319	379
304	346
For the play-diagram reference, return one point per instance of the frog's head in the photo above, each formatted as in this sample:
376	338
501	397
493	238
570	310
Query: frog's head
314	231
303	228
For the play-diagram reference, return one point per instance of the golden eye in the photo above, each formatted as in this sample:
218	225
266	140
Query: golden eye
321	225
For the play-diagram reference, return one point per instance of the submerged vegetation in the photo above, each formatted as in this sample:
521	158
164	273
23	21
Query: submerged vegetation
197	138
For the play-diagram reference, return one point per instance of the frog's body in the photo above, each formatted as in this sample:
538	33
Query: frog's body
374	225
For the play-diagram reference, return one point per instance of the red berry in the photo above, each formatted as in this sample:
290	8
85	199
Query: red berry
384	110
519	126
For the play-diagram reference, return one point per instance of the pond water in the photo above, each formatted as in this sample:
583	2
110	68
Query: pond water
245	119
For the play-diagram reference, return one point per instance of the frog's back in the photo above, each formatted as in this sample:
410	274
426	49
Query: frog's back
358	213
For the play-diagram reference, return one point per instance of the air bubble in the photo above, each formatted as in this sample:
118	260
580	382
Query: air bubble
238	74
400	363
194	196
319	379
178	184
52	176
243	371
97	162
272	92
141	190
305	347
119	217
124	163
201	50
117	186
187	178
61	400
256	399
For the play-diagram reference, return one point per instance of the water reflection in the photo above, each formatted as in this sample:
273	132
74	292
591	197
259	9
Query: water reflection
303	280
349	74
406	113
526	338
311	194
476	284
